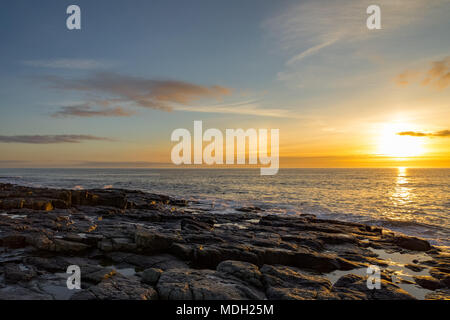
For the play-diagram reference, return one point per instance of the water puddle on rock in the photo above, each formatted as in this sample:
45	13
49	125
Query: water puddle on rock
397	262
403	277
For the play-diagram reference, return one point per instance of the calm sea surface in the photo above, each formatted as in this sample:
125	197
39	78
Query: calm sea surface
413	201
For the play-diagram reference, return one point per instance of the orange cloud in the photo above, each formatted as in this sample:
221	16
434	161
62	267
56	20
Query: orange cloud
437	76
148	93
443	133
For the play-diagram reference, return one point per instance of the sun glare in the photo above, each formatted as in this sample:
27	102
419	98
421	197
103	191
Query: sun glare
393	145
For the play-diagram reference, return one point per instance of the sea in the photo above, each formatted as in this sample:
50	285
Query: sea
412	201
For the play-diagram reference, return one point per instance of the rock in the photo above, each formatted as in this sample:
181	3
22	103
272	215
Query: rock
69	246
123	244
290	283
194	225
302	258
336	238
151	275
117	287
11	204
414	267
105	245
153	241
190	284
248	256
40	241
20	293
13	241
355	283
182	251
249	209
428	282
245	271
438	295
277	293
160	261
412	243
15	273
96	274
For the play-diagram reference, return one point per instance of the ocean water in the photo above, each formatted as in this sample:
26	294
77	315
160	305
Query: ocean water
412	201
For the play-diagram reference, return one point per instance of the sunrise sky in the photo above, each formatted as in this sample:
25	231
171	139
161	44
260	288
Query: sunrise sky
111	94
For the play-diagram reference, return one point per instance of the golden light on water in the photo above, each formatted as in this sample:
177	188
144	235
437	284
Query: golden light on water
401	193
399	146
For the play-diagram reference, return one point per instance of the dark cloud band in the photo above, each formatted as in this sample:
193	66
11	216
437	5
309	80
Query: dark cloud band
51	139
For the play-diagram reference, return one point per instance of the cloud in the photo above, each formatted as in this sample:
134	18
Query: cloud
437	76
310	51
250	107
86	111
147	93
443	133
82	64
51	139
310	26
405	78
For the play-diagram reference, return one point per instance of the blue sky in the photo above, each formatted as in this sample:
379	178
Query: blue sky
310	68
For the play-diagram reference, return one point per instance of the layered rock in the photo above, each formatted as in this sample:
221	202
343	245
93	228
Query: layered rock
134	245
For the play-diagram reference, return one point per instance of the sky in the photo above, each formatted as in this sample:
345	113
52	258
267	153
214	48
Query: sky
111	94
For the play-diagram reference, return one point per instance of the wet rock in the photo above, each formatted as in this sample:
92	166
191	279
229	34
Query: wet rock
443	294
182	251
117	287
291	283
245	271
428	282
13	241
96	274
133	231
15	273
190	284
153	241
302	259
123	244
355	283
21	293
414	267
193	225
151	275
69	246
250	209
161	261
412	243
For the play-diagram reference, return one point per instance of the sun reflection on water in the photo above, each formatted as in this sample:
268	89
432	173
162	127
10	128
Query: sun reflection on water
401	193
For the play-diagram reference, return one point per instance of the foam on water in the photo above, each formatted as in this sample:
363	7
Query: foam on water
412	201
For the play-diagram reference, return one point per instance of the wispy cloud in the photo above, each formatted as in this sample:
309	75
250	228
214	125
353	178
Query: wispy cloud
51	139
443	133
147	93
311	26
310	51
250	107
437	75
82	64
330	30
86	111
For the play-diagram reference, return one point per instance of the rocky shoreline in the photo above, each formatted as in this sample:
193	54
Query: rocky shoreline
135	245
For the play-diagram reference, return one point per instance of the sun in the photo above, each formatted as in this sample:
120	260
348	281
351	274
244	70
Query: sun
393	145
